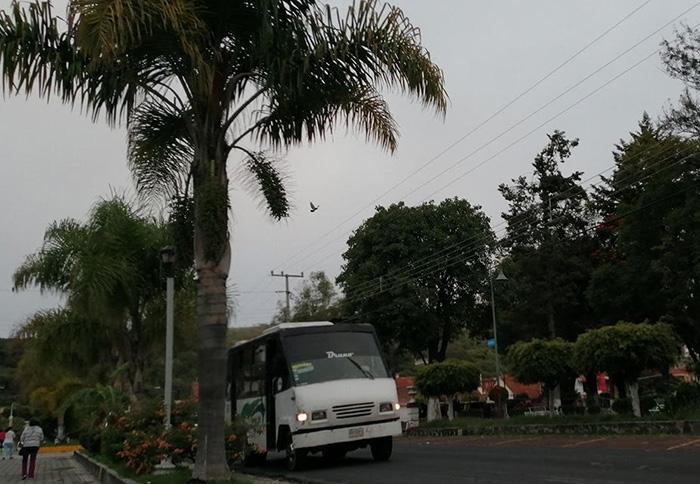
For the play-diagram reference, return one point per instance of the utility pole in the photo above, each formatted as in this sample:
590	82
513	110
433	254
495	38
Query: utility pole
287	292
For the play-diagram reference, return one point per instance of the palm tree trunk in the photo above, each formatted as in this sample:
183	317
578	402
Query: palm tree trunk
212	262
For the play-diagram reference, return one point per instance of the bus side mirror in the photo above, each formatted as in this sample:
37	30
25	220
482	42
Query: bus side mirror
279	385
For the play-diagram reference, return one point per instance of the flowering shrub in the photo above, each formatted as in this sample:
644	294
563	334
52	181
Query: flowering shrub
137	438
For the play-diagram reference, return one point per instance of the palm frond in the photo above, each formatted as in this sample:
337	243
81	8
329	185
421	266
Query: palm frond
108	29
379	44
51	267
313	114
261	174
160	150
325	67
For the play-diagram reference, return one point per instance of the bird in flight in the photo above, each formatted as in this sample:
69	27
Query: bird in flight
313	207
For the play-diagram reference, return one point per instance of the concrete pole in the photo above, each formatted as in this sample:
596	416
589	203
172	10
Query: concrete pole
169	329
495	342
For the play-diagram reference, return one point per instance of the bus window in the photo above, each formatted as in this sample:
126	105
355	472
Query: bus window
320	357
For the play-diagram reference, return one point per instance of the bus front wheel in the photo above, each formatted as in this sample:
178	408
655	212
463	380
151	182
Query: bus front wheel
294	458
381	448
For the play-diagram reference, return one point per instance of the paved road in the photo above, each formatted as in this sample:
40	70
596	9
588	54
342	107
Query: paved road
519	459
51	469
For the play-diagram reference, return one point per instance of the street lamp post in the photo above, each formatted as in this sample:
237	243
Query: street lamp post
167	256
499	277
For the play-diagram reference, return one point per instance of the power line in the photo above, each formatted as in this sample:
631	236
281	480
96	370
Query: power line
521	225
485	121
529	133
582	232
457	250
515	125
309	246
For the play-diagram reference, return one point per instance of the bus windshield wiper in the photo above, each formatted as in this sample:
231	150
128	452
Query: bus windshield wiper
364	371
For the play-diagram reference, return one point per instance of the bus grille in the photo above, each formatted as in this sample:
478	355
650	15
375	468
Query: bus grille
353	410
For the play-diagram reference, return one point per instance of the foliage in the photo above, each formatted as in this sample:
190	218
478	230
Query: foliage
109	270
540	361
498	394
625	349
548	250
649	252
622	406
316	301
392	278
447	378
686	397
472	350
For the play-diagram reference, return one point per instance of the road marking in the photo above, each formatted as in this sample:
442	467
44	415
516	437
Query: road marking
511	441
685	444
583	442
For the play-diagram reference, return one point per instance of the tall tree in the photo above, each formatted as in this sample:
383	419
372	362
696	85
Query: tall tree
197	79
547	249
409	272
649	256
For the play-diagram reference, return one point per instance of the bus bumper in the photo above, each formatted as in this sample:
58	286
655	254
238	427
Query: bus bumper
321	437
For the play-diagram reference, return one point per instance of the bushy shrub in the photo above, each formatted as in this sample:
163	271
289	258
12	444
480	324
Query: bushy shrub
111	441
622	406
141	451
138	440
646	403
91	439
498	394
686	397
593	409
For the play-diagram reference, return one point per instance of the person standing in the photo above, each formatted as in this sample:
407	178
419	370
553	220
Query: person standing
8	443
30	440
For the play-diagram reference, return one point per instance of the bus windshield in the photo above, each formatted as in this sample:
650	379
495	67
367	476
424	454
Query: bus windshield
321	357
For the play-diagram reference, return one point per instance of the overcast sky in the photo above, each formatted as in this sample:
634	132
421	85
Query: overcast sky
56	163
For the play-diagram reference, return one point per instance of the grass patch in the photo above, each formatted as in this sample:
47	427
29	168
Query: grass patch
178	476
477	422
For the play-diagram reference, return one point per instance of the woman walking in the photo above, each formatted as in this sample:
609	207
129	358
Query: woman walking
8	443
30	440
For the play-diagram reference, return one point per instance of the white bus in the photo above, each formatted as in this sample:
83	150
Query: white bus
314	387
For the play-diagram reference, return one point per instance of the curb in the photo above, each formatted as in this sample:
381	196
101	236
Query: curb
60	449
672	427
101	472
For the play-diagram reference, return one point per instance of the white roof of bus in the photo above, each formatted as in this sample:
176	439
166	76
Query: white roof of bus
280	326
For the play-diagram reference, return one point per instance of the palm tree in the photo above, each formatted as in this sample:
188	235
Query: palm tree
196	80
109	270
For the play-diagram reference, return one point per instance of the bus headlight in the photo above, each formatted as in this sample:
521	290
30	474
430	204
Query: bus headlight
397	406
302	417
386	407
319	415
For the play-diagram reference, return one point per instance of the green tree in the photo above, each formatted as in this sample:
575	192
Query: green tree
109	270
408	271
649	242
197	79
317	301
547	250
474	351
446	378
542	361
624	351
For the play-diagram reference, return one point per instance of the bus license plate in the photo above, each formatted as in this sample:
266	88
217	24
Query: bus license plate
355	433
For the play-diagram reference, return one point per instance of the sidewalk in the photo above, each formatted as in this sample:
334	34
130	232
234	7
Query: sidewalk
50	469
